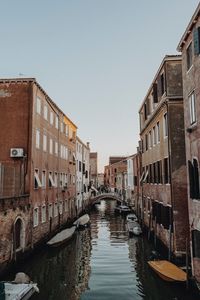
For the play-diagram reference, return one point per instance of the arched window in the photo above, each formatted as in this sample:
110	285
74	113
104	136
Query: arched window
19	234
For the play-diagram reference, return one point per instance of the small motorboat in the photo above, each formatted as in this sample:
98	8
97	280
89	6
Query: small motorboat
122	209
82	222
62	237
168	271
131	217
134	228
18	289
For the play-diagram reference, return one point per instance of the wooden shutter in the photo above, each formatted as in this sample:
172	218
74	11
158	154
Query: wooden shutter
191	178
196	40
155	93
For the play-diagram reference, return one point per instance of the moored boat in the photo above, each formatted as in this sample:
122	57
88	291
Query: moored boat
19	289
122	209
83	221
168	271
134	228
62	237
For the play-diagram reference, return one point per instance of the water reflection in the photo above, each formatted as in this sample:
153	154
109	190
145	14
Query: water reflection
101	262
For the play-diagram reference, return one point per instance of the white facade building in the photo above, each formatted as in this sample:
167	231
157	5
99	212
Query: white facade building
82	175
130	179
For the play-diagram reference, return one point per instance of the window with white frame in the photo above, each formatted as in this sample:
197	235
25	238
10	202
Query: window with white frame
50	211
158	131
37	141
61	179
165	125
51	118
66	153
189	56
50	146
55	209
44	179
56	179
60	207
43	213
51	181
66	129
45	112
61	126
192	105
37	182
66	205
154	136
56	122
61	151
35	217
38	105
56	148
44	142
65	183
150	139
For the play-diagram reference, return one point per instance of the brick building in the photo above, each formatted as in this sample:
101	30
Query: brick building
189	45
94	168
163	201
37	167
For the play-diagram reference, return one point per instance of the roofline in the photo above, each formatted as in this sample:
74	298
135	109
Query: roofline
165	59
188	30
33	80
81	142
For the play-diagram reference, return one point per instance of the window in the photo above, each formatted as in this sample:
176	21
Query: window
66	130
51	181
61	126
50	211
61	179
79	166
56	148
38	108
56	179
192	109
50	146
43	178
162	82
60	207
150	140
166	170
196	40
158	131
37	139
43	214
45	112
189	56
37	182
154	135
51	118
193	169
44	142
66	153
66	206
56	122
55	209
196	243
155	93
165	125
35	217
146	141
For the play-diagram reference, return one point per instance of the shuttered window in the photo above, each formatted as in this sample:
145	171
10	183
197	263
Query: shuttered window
189	56
196	243
196	40
193	170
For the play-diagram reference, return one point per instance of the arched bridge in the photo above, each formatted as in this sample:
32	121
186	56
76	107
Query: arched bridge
105	196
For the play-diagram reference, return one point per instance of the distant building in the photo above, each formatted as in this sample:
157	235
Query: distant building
189	45
37	167
94	168
163	182
82	174
100	179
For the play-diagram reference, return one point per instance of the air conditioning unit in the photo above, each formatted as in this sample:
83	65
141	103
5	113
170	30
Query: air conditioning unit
16	152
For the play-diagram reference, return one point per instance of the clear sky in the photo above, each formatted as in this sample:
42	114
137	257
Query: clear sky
95	58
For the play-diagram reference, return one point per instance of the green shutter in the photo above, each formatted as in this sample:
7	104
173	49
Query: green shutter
196	40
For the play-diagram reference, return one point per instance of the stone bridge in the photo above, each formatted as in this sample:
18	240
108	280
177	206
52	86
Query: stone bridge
105	196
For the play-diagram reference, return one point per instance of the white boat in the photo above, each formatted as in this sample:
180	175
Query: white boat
62	237
19	289
83	221
122	209
131	217
134	228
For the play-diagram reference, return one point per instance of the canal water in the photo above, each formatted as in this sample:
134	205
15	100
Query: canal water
101	262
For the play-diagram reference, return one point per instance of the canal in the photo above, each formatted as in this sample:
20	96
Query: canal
100	262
